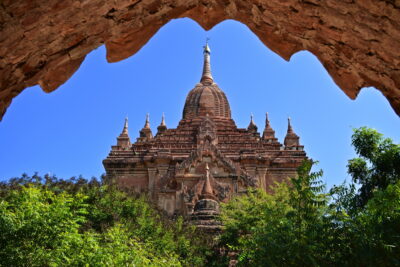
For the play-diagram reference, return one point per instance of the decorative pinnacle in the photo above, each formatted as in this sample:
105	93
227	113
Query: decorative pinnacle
269	133
207	189
252	125
147	123
251	119
290	129
267	124
291	138
125	130
163	120
206	77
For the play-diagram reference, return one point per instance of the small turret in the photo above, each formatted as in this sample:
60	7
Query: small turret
146	133
252	126
123	139
206	210
292	140
269	133
162	127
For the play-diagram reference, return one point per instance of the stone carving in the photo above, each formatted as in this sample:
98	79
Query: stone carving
207	133
223	191
188	195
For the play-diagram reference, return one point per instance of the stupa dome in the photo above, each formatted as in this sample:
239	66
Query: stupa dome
206	98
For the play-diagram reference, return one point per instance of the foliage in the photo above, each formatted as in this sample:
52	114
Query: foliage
378	164
76	222
298	224
278	228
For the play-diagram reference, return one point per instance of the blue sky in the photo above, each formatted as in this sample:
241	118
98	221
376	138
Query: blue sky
69	132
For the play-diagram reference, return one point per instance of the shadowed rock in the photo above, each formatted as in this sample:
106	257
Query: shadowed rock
44	42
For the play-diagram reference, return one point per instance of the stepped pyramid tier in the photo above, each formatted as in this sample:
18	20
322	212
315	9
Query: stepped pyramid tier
206	159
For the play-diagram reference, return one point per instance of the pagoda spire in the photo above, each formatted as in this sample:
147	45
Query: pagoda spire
146	130
269	133
267	123
290	129
162	127
125	129
291	138
163	120
147	123
207	192
123	139
252	125
206	77
206	209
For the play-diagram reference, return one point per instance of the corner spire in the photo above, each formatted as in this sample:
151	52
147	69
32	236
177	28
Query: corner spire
146	133
290	129
147	123
291	138
206	77
162	127
252	126
125	129
123	140
163	120
269	133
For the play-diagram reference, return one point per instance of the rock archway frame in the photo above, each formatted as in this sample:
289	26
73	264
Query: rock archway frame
44	42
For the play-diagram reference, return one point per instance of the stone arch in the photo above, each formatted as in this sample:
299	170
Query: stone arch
44	42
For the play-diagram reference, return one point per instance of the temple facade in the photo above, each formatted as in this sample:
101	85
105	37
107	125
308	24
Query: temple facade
205	160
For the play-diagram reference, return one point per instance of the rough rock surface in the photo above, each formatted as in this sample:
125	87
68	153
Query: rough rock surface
44	42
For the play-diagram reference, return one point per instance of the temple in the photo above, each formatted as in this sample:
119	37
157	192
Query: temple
206	160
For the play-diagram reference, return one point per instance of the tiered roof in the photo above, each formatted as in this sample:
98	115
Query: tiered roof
207	100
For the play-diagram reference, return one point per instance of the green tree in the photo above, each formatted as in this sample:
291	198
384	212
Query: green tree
45	225
110	206
377	229
378	164
282	228
300	225
34	222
